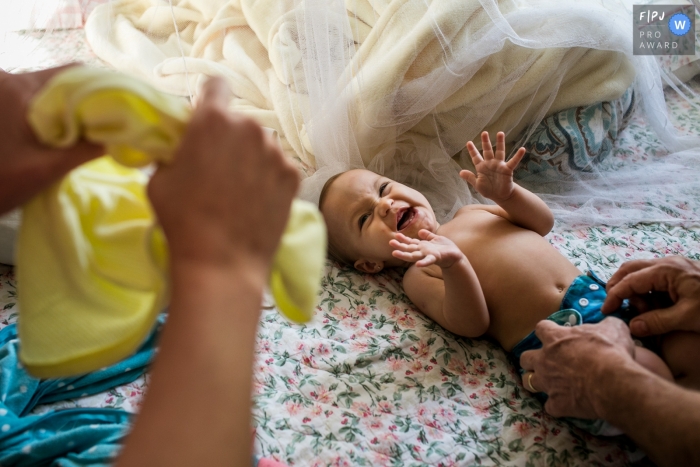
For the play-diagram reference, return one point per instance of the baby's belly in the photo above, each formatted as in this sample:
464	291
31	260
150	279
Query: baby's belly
514	313
523	294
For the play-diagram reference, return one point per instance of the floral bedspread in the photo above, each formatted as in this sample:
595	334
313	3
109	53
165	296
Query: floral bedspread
371	382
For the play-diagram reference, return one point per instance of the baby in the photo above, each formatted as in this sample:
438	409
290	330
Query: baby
488	271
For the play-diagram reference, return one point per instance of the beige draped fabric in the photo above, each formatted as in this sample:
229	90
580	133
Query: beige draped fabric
382	56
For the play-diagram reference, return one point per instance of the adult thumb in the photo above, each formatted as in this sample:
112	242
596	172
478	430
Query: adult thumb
656	322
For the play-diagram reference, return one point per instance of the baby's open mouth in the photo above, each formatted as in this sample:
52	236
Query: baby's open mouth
404	217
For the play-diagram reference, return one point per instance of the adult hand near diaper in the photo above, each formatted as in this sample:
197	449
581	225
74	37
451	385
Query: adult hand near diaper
27	165
589	371
429	249
494	175
573	364
244	189
679	277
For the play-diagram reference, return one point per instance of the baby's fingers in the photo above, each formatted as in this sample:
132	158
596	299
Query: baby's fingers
468	177
426	234
403	246
404	239
486	145
500	145
515	160
407	256
476	156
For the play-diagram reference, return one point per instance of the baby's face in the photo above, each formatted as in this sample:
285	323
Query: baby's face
364	211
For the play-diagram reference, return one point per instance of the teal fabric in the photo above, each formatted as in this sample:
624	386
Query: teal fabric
573	311
575	140
72	437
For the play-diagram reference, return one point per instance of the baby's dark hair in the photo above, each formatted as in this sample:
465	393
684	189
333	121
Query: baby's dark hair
334	252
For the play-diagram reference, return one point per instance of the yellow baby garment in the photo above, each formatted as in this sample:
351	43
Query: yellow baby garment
91	262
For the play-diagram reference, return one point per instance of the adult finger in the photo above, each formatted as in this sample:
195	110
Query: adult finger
529	359
68	159
553	407
638	303
47	74
529	382
653	323
614	330
642	281
546	330
36	80
627	268
215	92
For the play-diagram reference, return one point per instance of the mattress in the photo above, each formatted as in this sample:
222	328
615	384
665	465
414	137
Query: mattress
370	381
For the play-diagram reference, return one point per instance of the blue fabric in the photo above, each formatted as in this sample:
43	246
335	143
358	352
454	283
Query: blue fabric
67	438
572	312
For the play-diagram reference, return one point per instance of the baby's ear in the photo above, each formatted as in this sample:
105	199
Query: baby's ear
369	267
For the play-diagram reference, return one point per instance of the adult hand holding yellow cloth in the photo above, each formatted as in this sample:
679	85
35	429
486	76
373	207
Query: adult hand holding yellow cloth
90	260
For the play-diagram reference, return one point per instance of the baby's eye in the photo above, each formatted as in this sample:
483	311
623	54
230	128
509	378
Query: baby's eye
363	219
381	188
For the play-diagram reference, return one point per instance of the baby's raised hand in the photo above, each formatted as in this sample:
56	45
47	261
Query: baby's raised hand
494	176
429	249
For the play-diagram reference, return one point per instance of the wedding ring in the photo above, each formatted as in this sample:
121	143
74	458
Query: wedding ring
529	382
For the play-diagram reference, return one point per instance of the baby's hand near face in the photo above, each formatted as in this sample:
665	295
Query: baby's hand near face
494	176
430	249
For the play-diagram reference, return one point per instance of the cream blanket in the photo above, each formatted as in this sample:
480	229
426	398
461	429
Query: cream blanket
344	85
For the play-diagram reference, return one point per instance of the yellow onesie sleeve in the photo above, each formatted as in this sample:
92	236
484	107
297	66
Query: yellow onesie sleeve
91	261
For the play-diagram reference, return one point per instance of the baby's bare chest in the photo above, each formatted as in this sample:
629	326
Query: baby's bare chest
499	250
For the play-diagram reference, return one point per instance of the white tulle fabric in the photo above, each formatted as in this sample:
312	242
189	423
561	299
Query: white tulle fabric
400	86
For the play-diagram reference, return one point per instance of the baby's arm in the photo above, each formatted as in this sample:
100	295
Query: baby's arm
494	180
527	210
455	301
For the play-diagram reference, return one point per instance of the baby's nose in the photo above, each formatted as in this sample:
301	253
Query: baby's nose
384	206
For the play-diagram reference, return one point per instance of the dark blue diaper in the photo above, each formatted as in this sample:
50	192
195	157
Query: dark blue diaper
581	304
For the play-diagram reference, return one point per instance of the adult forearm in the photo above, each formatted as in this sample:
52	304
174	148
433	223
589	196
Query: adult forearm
660	416
198	406
527	210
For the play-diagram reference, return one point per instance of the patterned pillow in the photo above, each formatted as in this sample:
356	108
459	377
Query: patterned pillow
576	139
